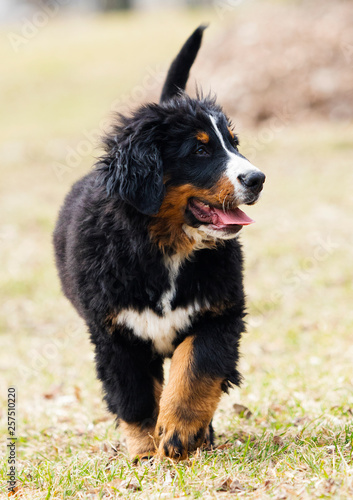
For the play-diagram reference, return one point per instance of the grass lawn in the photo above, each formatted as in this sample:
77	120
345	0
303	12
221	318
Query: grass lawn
294	437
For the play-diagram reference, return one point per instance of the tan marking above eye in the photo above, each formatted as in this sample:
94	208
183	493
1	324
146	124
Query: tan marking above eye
203	137
231	132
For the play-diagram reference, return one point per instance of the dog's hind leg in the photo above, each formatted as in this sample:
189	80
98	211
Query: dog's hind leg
132	378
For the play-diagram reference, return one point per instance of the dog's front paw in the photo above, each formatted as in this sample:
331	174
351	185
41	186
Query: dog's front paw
177	440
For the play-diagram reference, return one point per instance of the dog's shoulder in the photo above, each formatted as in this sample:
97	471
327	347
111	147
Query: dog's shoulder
212	276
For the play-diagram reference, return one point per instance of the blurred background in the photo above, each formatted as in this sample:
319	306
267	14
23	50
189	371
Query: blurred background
283	71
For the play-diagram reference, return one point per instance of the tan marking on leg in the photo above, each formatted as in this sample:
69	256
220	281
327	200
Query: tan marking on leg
139	439
158	388
187	406
207	442
140	436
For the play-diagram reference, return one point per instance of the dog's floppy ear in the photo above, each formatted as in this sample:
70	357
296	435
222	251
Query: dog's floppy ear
132	167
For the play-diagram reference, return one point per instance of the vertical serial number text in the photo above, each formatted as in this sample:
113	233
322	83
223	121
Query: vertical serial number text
11	440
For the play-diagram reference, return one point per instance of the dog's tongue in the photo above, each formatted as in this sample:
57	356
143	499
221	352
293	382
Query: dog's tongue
235	216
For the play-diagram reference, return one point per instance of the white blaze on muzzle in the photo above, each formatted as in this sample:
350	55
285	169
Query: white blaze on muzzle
236	166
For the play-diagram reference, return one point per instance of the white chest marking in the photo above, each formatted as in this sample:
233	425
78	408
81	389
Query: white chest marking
161	330
173	264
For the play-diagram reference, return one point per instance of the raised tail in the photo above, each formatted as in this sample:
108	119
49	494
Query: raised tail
178	73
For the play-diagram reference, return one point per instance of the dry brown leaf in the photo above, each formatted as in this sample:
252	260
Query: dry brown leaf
236	486
267	484
278	440
104	418
53	392
242	411
94	448
17	492
301	421
224	446
230	485
277	408
77	390
105	447
260	420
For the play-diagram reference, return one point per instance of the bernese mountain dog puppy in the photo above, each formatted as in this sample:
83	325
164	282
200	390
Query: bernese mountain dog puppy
147	253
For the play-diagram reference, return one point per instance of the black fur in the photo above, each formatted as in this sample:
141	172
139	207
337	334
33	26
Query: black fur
107	261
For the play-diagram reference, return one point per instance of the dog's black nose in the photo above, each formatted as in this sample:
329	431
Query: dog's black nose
252	180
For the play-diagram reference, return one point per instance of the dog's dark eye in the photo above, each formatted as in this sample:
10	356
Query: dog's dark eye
234	141
201	151
233	138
